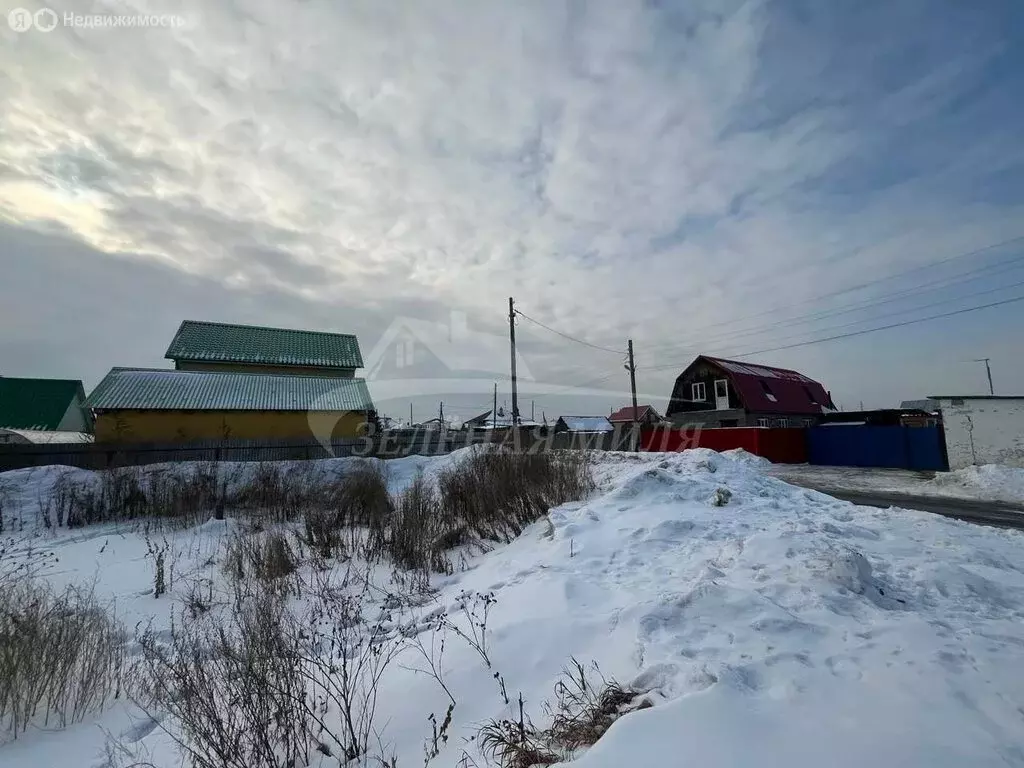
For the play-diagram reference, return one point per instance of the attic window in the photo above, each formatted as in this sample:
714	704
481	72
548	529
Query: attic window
810	395
768	391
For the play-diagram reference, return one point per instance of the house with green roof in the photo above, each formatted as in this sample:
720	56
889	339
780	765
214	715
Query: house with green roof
43	405
204	346
238	382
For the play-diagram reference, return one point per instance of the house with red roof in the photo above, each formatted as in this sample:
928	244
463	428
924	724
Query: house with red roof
645	414
713	392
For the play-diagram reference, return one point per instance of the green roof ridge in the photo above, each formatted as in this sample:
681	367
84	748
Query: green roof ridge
207	341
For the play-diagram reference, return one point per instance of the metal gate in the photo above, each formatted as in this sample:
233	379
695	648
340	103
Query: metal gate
920	448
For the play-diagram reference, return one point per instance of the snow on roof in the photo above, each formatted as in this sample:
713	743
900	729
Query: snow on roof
769	389
587	423
42	436
761	371
161	389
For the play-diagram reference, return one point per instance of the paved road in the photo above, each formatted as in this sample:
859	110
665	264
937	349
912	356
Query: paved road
997	513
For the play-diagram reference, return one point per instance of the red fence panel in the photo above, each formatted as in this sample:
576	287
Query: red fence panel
783	445
779	445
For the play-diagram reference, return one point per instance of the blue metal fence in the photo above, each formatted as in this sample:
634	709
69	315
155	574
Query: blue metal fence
897	447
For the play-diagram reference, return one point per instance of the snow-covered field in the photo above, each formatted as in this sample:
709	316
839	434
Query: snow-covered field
772	625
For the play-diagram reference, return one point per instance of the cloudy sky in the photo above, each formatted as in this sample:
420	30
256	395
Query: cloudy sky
702	176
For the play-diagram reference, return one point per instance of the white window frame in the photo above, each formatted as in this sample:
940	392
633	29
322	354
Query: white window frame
784	423
763	422
699	386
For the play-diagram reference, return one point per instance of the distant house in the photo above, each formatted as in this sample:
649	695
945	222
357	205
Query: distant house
713	392
503	418
237	381
645	414
587	424
43	405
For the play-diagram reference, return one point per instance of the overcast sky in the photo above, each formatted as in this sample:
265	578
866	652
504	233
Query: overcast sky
699	176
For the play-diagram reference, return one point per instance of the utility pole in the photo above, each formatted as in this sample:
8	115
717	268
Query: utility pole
512	338
533	411
631	367
440	415
410	414
494	411
988	371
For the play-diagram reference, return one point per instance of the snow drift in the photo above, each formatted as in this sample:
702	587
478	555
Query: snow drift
771	626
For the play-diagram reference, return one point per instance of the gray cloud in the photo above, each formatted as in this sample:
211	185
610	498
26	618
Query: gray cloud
652	169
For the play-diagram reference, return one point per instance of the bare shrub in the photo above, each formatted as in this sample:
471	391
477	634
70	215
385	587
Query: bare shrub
363	500
349	515
344	662
185	496
276	493
266	556
60	656
260	686
234	689
494	494
416	527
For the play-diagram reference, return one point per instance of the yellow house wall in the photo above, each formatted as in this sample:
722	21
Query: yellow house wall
177	426
288	370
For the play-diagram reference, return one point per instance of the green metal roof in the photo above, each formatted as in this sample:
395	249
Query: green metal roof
36	403
222	343
163	390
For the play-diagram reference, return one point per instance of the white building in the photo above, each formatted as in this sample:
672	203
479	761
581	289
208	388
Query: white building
983	429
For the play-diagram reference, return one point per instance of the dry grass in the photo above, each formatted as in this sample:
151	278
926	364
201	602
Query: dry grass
584	708
415	527
60	656
266	555
494	494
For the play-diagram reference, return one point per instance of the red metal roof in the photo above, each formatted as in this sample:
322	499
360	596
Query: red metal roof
626	414
774	390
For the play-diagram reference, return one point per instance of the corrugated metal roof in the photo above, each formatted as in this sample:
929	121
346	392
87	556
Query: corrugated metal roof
36	403
43	436
626	414
151	389
767	389
224	343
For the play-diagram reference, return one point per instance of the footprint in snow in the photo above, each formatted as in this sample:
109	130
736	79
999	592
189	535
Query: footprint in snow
140	730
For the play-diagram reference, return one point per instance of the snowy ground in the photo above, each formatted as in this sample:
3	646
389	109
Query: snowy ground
989	482
784	628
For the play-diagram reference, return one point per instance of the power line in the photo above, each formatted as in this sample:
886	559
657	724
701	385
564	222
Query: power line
862	332
857	287
899	312
567	336
926	288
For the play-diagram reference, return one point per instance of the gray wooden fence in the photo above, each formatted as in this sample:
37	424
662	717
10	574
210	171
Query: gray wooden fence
385	445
